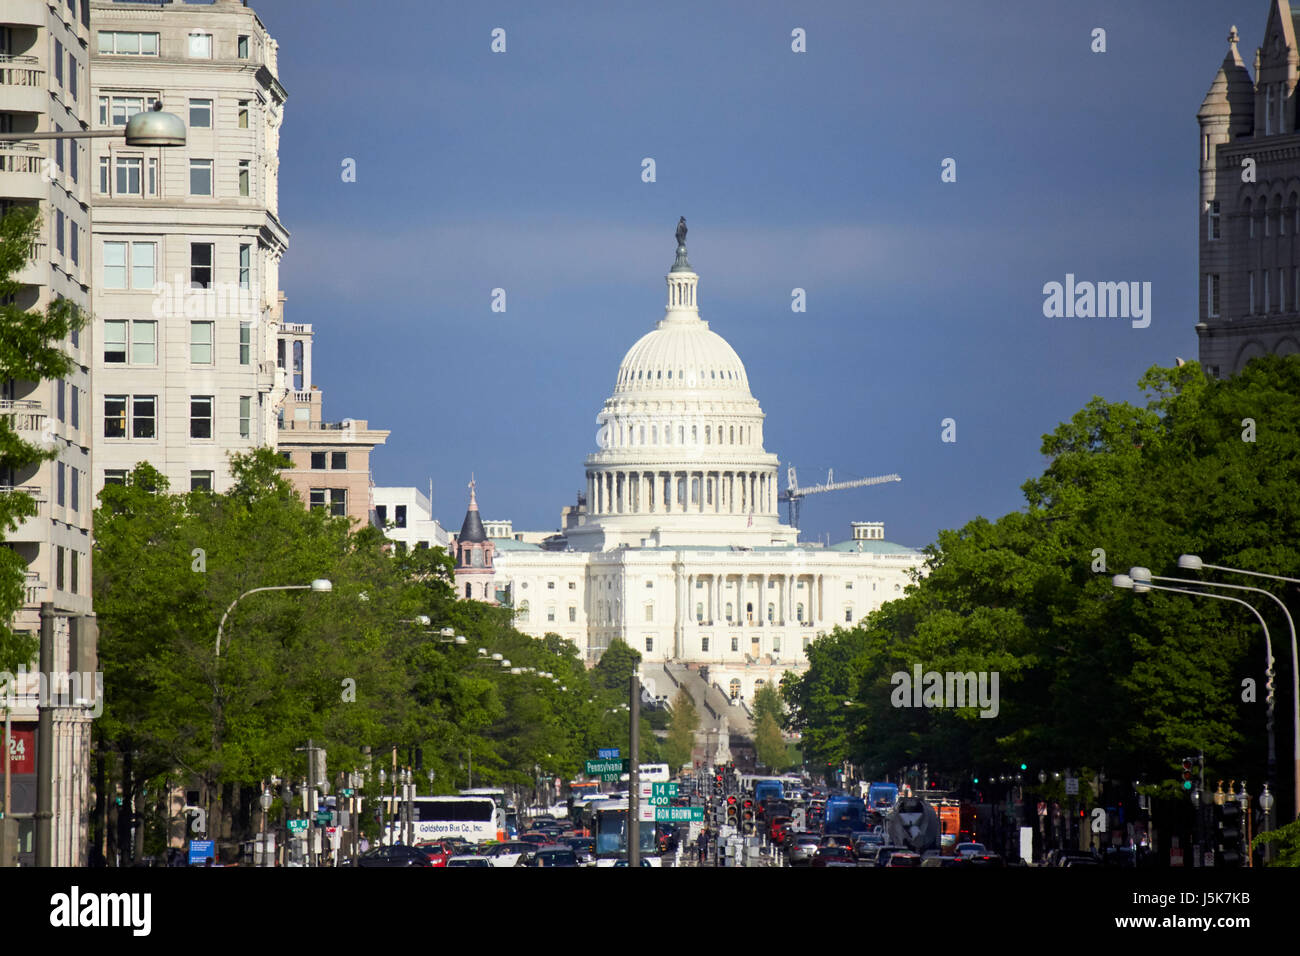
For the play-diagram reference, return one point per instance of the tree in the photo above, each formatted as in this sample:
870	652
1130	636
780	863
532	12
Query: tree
31	350
616	666
769	745
685	720
767	700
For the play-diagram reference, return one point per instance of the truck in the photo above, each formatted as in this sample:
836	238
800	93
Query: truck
881	797
914	824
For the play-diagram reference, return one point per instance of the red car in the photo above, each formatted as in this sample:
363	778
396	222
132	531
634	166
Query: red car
778	828
438	852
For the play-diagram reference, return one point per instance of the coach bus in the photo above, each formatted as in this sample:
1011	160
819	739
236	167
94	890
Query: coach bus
610	827
650	773
472	818
507	815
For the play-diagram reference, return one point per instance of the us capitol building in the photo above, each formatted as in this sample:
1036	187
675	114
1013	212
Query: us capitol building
677	546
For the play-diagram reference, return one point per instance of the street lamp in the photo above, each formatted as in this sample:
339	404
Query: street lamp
1192	562
1139	581
265	800
151	128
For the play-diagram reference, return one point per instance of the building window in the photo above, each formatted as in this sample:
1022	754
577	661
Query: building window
144	342
338	501
201	46
103	175
729	612
200	265
523	611
734	686
241	47
573	586
114	416
649	644
297	365
201	343
243	177
848	615
200	177
245	342
58	62
798	613
200	416
704	645
58	566
58	230
75	406
699	611
381	514
339	461
119	43
245	415
650	611
573	613
316	499
550	612
1213	224
1281	291
200	481
114	341
245	265
127	169
771	613
115	476
776	644
144	416
1212	293
735	644
243	114
399	516
1250	281
318	461
201	114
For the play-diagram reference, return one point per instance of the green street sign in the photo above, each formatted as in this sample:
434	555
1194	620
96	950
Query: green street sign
597	767
611	777
297	826
323	818
679	814
347	791
663	789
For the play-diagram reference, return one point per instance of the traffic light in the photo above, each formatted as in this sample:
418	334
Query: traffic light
731	811
1187	773
747	815
717	785
1228	824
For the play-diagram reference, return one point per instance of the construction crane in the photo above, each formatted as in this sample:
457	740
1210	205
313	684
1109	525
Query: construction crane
793	494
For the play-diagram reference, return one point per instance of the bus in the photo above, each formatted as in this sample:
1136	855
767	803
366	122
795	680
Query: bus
650	773
844	814
475	819
881	797
504	808
610	827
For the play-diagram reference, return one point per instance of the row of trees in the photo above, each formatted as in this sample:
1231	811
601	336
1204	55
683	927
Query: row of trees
354	669
1091	676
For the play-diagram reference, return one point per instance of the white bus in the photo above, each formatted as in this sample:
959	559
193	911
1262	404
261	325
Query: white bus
471	818
610	828
650	773
504	808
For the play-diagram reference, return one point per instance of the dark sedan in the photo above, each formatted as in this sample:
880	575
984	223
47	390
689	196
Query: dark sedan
395	856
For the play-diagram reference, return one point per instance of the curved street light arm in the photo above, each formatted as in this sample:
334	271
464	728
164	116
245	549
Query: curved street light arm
281	587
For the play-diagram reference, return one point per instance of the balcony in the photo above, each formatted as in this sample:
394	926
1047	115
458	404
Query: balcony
29	421
20	171
36	528
24	84
34	590
27	13
36	271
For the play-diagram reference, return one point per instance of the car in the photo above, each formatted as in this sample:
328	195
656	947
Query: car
932	861
554	856
1059	857
625	863
477	861
508	854
390	856
804	848
777	826
904	858
535	836
968	849
584	847
1080	861
883	853
865	846
834	856
438	851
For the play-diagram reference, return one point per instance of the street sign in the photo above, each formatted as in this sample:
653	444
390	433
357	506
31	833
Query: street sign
679	814
663	790
607	753
201	850
347	791
324	818
1072	786
618	767
610	777
297	826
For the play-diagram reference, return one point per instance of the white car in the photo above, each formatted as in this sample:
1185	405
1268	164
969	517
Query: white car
965	850
468	861
509	854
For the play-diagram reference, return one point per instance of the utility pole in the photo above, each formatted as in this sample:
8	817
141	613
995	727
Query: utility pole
634	775
45	745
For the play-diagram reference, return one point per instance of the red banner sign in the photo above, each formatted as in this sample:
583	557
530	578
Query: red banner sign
22	751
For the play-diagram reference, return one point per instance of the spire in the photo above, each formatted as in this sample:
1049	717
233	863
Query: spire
472	530
682	281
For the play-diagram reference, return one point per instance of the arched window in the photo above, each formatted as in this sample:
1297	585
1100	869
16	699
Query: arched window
798	613
467	590
732	432
771	613
699	611
734	687
708	439
729	612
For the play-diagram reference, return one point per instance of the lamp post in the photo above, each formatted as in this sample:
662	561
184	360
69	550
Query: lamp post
1140	586
1192	562
319	585
265	800
150	128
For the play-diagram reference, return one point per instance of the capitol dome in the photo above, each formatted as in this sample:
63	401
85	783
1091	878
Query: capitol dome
681	457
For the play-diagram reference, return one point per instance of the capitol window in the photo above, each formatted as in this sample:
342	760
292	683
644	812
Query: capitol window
572	586
523	611
704	645
650	612
771	613
735	644
649	643
798	613
729	613
573	613
699	611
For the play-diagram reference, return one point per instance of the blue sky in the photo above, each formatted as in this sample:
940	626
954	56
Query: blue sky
818	170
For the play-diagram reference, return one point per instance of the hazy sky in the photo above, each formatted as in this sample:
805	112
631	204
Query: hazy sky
819	170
